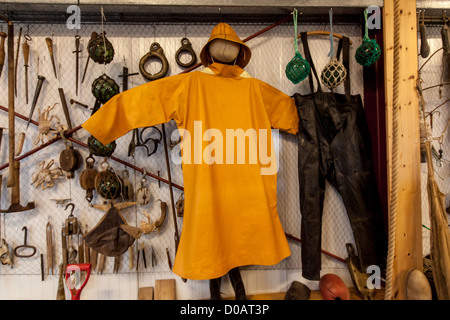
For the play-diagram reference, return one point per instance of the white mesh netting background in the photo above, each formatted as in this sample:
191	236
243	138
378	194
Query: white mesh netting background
271	52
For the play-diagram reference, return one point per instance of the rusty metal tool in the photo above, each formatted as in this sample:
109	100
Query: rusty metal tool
125	75
101	263
130	258
11	116
65	257
49	240
60	294
81	250
154	262
49	42
15	192
359	278
77	60
3	35
37	92
87	256
26	55
116	264
1	135
62	96
93	36
17	62
42	267
72	101
93	258
24	246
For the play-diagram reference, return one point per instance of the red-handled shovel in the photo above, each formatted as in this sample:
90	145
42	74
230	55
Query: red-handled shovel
73	278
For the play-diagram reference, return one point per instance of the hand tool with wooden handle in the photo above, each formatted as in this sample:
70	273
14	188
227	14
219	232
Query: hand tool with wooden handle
65	257
26	55
1	136
14	166
101	263
60	294
19	145
17	62
62	96
81	250
3	35
37	91
424	46
11	103
52	57
49	240
15	192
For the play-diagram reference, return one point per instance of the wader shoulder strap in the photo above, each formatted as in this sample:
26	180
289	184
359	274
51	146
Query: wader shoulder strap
344	43
304	37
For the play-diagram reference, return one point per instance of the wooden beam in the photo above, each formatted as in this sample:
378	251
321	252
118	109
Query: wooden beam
405	195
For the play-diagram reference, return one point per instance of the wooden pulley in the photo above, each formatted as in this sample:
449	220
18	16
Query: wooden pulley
87	178
158	53
186	46
69	159
128	190
71	223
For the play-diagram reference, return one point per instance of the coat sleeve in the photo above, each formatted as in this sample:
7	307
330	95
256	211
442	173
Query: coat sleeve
147	105
280	109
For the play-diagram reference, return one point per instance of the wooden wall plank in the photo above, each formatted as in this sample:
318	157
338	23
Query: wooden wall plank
408	233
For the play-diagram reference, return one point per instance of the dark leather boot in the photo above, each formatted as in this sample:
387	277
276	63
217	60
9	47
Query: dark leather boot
238	285
214	289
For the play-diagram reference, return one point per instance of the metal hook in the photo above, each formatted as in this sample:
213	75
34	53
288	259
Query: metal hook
73	207
25	234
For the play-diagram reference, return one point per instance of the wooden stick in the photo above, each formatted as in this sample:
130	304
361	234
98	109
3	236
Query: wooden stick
323	33
17	61
11	119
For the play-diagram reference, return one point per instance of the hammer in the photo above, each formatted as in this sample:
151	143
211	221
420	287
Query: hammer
14	165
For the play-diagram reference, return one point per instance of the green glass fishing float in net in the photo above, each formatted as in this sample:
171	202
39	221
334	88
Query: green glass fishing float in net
99	149
369	51
100	49
298	68
104	88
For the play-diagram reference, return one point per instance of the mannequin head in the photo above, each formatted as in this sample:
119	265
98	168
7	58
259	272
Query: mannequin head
224	51
225	46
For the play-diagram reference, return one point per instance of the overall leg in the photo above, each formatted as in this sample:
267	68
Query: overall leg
354	178
312	189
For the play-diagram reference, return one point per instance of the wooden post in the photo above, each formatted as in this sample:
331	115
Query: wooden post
401	69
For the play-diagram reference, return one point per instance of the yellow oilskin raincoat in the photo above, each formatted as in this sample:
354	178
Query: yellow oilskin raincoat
230	216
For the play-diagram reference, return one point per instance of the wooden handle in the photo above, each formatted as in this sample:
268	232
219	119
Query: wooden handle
19	145
3	35
49	45
26	52
11	104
